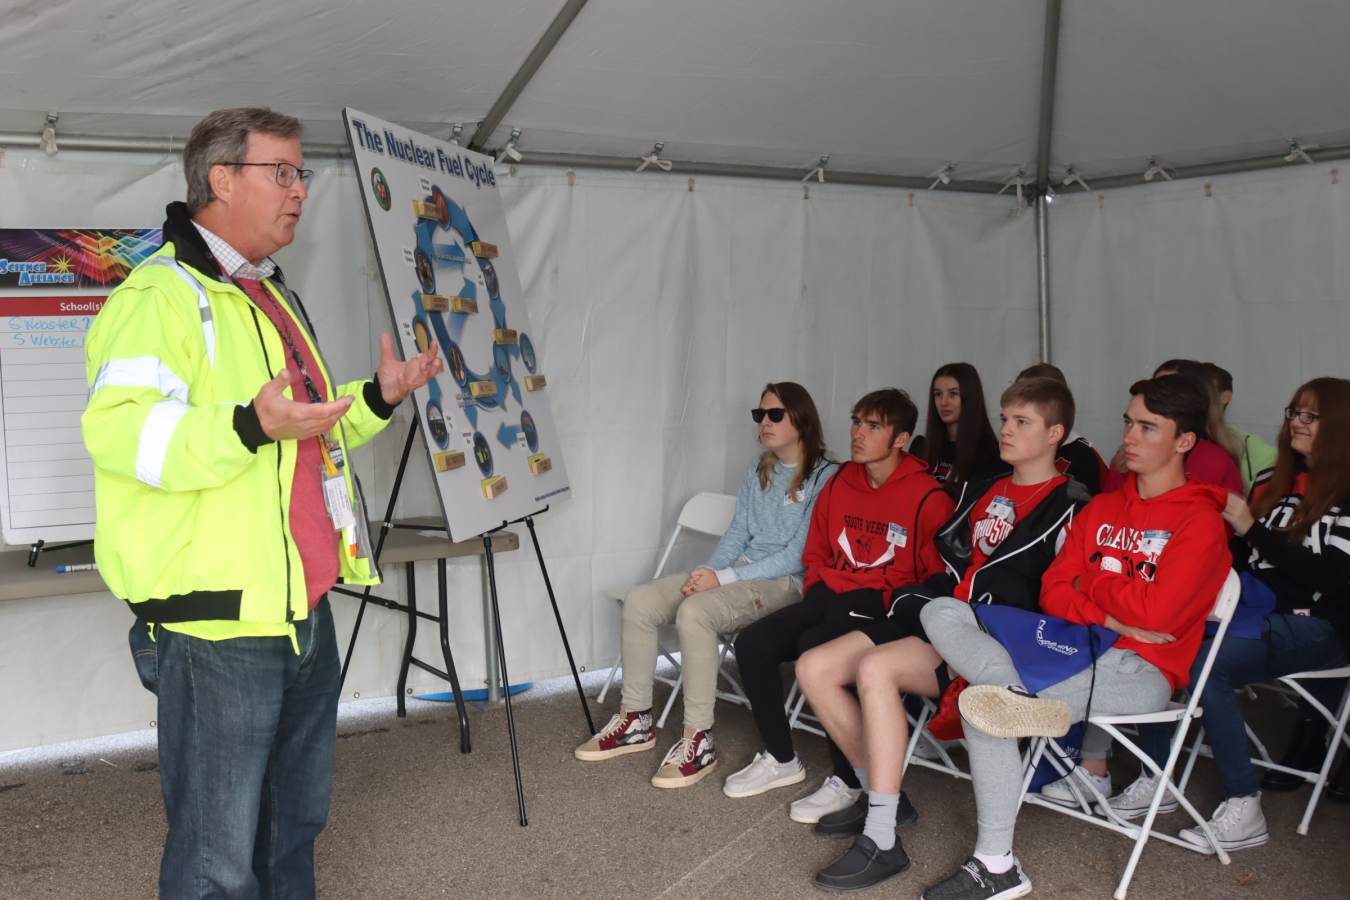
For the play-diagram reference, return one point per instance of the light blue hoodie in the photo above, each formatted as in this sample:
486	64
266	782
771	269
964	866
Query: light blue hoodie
769	527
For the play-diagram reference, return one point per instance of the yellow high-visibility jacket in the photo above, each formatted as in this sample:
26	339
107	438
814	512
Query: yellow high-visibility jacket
193	499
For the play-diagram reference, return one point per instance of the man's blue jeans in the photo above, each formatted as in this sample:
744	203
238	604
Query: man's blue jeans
1288	644
247	731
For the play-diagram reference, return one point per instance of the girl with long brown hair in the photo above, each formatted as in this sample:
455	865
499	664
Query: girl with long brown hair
755	570
1293	552
958	442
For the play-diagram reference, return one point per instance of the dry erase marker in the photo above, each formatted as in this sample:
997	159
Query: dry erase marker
87	567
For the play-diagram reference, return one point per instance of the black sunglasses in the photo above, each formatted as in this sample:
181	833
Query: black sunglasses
775	415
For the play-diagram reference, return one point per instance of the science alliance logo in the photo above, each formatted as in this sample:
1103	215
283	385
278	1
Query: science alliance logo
31	273
381	188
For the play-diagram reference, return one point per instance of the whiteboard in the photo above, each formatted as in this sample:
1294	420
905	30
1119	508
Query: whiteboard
449	272
53	282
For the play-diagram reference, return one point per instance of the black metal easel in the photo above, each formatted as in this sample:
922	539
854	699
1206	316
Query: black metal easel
443	620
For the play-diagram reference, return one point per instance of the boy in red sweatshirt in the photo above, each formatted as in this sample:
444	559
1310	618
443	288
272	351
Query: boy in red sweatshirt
1147	562
871	531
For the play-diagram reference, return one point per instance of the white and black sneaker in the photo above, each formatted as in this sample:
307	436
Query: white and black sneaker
974	882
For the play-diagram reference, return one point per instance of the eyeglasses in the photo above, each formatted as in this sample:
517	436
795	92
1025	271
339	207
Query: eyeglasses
285	174
1307	418
775	415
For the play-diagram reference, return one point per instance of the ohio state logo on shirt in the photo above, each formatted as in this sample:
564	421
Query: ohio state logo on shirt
990	532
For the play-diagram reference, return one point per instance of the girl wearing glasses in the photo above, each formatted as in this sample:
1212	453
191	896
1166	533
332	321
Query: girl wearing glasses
1292	550
755	570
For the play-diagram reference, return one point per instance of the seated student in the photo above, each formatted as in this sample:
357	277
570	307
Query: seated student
1257	455
1294	540
755	570
996	547
1148	562
1215	456
1077	458
871	531
958	444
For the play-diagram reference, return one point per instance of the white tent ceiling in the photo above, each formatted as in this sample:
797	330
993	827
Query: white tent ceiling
883	87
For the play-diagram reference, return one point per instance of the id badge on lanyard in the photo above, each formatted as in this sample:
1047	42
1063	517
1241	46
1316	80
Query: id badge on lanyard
336	497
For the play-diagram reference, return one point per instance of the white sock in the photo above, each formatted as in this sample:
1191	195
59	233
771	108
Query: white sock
861	775
880	822
996	865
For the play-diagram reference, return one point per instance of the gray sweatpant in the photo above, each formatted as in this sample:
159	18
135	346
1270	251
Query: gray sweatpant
1126	683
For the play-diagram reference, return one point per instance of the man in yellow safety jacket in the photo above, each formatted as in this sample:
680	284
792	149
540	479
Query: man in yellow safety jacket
227	508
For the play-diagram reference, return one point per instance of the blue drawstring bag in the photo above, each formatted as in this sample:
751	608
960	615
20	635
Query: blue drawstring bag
1045	650
1256	603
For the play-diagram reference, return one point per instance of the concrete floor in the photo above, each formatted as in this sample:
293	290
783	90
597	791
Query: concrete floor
412	818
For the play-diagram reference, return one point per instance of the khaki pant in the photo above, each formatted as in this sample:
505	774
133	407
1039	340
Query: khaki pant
699	620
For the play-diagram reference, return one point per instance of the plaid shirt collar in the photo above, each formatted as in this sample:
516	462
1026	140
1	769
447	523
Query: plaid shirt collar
232	263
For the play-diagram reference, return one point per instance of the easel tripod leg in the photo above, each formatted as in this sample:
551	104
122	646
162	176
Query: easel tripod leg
562	632
412	637
464	744
506	680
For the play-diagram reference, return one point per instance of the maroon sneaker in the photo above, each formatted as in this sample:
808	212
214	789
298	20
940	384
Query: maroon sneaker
627	732
692	757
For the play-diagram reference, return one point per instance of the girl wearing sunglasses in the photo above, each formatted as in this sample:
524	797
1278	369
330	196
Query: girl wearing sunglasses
755	570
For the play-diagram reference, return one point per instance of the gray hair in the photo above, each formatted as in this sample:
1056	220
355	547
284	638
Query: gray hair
222	137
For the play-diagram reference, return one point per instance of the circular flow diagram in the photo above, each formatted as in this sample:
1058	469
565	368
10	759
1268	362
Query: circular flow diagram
433	260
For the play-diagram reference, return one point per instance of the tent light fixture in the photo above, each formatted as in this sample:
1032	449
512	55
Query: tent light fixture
1297	151
819	171
510	149
943	175
1071	175
48	142
1155	168
456	132
654	158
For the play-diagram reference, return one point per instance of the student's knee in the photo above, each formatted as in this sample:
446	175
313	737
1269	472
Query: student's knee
943	612
698	614
875	673
812	668
643	605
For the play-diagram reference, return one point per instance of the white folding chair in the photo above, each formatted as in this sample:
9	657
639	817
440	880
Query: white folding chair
1289	684
1088	797
710	514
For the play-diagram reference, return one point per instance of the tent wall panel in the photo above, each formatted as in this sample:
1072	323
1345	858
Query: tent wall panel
1252	277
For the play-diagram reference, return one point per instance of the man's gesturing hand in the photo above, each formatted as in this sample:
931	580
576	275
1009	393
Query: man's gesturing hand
287	420
399	379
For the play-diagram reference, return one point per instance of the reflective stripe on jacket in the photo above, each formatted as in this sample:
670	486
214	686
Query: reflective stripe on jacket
192	523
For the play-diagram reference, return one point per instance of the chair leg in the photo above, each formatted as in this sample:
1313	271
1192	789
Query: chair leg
610	680
1332	746
791	697
1190	763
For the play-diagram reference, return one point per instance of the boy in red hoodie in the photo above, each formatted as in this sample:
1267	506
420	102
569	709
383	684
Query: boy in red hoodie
1147	562
871	531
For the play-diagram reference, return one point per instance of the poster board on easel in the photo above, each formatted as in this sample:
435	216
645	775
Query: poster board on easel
53	282
449	272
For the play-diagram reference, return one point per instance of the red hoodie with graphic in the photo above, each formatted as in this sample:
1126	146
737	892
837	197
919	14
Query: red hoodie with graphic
1156	564
880	538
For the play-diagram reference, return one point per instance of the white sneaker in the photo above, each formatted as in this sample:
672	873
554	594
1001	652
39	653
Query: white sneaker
1133	802
764	774
1237	825
1060	792
927	746
833	796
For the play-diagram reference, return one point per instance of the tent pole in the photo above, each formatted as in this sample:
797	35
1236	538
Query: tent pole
1043	281
517	84
1049	65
